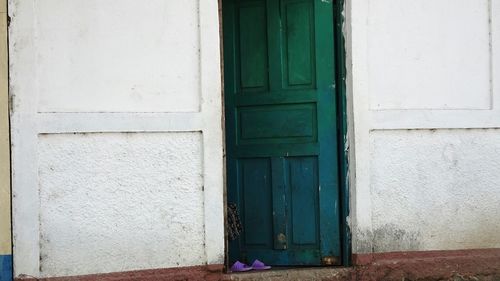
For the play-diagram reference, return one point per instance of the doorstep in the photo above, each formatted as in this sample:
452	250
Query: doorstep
293	274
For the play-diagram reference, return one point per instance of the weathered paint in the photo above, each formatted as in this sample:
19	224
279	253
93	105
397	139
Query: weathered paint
344	135
424	189
5	225
119	86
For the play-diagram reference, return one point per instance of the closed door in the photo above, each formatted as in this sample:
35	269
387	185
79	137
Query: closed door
281	135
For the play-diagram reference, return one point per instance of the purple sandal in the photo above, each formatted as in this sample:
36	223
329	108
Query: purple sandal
240	267
258	265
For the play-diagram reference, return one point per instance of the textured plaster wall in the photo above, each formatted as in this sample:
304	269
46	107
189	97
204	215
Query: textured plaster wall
5	243
435	189
118	202
424	98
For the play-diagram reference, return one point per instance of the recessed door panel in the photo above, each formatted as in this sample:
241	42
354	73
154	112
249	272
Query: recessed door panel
298	52
303	182
252	26
255	182
277	124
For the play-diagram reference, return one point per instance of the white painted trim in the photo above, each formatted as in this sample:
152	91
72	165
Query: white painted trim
211	86
119	122
356	56
24	98
495	56
351	136
434	119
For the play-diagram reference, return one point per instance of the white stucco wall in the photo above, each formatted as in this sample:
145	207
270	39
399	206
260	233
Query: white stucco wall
435	189
424	86
117	136
128	199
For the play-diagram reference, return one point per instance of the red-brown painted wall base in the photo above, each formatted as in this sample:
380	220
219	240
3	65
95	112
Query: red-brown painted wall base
430	265
209	273
462	265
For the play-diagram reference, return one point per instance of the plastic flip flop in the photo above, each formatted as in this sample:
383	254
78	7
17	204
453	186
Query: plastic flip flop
240	267
258	265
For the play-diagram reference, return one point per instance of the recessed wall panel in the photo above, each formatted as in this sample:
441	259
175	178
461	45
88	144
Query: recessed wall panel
428	54
117	55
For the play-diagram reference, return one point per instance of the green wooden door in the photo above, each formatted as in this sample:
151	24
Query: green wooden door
281	130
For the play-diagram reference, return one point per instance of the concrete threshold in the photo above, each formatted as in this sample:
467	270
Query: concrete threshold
302	274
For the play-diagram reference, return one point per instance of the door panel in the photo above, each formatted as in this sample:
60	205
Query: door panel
280	129
303	182
298	51
290	123
253	46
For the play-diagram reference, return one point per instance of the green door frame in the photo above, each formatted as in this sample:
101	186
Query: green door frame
342	126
